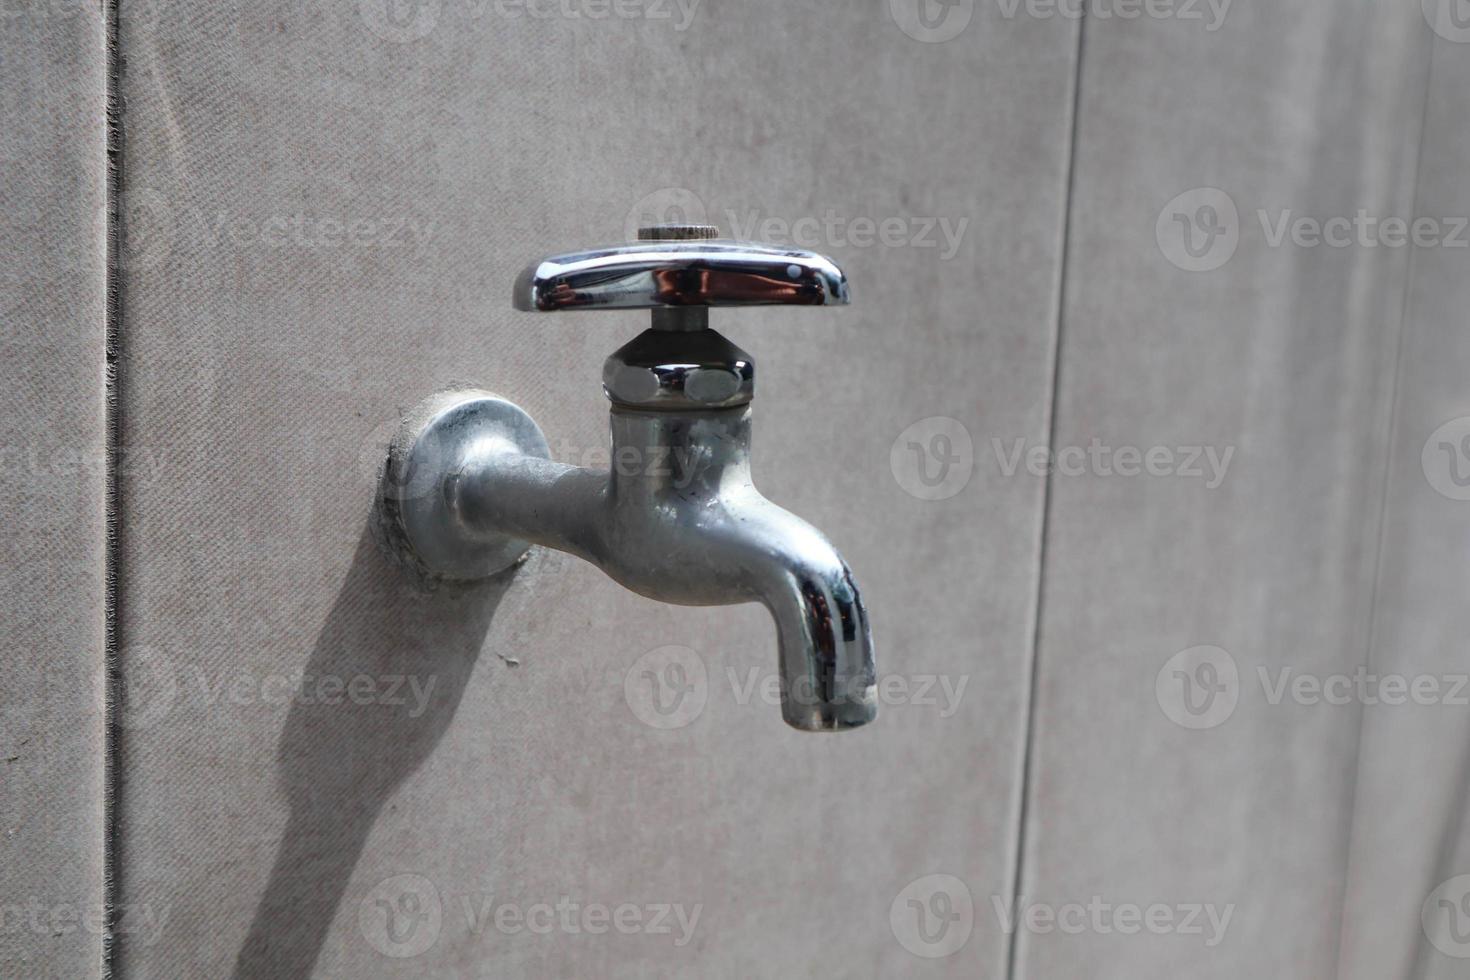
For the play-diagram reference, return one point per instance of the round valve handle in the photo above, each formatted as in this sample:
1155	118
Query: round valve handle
678	266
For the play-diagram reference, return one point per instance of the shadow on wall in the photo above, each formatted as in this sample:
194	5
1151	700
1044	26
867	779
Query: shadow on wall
340	763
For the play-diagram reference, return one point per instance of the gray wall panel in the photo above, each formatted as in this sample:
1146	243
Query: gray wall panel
267	367
1410	835
52	479
1283	354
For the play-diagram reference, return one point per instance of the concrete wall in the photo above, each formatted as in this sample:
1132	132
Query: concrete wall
53	177
268	368
1089	253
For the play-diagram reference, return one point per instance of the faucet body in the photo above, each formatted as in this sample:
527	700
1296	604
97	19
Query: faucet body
677	519
469	484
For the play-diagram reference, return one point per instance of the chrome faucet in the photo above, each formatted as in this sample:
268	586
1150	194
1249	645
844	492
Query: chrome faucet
469	484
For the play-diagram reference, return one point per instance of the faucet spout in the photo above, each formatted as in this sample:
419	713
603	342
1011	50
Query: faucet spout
689	527
825	646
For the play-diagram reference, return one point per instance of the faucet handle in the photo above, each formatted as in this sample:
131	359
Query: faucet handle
678	267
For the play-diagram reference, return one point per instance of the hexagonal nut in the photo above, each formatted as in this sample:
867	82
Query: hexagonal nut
688	372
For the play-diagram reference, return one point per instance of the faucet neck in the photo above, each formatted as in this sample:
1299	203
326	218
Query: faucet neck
656	454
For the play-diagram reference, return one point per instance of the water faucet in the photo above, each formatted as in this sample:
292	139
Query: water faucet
470	485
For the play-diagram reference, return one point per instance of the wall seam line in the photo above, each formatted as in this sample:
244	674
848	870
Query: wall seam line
1027	763
1381	535
112	675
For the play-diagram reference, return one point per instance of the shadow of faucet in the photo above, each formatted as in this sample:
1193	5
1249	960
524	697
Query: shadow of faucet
345	750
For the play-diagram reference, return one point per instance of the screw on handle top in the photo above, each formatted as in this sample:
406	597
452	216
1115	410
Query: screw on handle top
678	233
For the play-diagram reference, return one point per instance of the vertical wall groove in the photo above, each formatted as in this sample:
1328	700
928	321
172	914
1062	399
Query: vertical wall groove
1389	443
1029	722
1370	629
112	432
